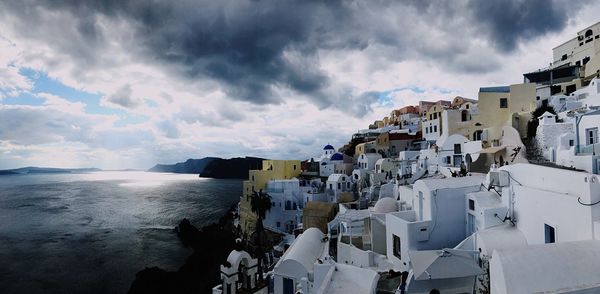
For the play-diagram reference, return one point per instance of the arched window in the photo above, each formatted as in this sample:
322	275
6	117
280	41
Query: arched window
588	33
464	115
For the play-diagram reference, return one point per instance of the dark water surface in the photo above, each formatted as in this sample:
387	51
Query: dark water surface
91	233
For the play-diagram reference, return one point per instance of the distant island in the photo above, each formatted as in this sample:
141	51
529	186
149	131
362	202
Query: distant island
207	167
213	167
45	170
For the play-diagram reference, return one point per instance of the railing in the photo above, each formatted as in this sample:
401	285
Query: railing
588	149
274	190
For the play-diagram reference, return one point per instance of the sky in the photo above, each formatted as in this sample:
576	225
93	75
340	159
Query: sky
128	84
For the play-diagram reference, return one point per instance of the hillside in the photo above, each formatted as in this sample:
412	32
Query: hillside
213	167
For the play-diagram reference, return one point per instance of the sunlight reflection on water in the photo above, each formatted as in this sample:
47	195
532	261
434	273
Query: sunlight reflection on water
99	228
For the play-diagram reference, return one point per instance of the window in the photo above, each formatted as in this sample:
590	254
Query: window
397	247
457	149
571	142
549	234
471	204
464	115
294	167
589	33
278	224
435	115
426	130
477	135
503	102
339	185
430	129
564	57
467	106
585	60
591	136
331	186
435	129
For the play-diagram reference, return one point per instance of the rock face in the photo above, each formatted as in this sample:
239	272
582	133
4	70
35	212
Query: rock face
190	166
234	168
201	270
213	167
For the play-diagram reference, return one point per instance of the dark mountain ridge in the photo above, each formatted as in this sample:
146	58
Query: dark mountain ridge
213	167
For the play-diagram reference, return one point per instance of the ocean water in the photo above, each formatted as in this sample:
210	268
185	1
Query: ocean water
91	233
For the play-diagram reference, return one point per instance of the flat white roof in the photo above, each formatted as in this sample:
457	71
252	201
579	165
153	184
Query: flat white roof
351	279
548	268
352	215
505	236
486	199
452	183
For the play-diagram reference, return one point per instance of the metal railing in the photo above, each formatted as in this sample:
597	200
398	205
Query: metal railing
588	149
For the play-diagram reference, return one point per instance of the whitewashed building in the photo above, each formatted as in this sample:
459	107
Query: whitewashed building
287	204
336	185
367	160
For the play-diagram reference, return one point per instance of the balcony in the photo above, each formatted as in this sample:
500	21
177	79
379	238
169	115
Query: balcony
588	149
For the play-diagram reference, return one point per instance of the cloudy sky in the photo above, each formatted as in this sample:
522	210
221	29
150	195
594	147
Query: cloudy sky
127	84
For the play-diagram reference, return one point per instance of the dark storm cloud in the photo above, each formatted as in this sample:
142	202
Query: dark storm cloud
509	22
253	48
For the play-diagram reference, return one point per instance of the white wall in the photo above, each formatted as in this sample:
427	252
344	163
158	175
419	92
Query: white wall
551	196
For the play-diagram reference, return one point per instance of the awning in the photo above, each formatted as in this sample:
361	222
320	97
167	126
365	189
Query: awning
491	150
443	264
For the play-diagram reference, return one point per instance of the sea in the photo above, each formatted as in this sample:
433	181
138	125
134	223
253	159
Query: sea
92	232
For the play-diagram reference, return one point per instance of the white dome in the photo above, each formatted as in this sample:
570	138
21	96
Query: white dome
385	205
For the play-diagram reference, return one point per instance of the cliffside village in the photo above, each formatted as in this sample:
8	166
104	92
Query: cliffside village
499	194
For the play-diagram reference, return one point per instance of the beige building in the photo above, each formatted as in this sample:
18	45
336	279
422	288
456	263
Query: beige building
463	120
257	180
575	62
367	147
509	105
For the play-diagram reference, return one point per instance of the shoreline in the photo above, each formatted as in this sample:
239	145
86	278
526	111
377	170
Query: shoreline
200	271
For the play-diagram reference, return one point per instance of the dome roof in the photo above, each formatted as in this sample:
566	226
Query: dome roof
337	156
385	205
328	147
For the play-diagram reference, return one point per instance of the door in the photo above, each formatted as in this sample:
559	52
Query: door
470	224
420	205
457	160
288	286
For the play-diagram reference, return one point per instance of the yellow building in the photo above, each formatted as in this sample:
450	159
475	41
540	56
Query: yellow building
509	105
367	147
463	120
257	180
